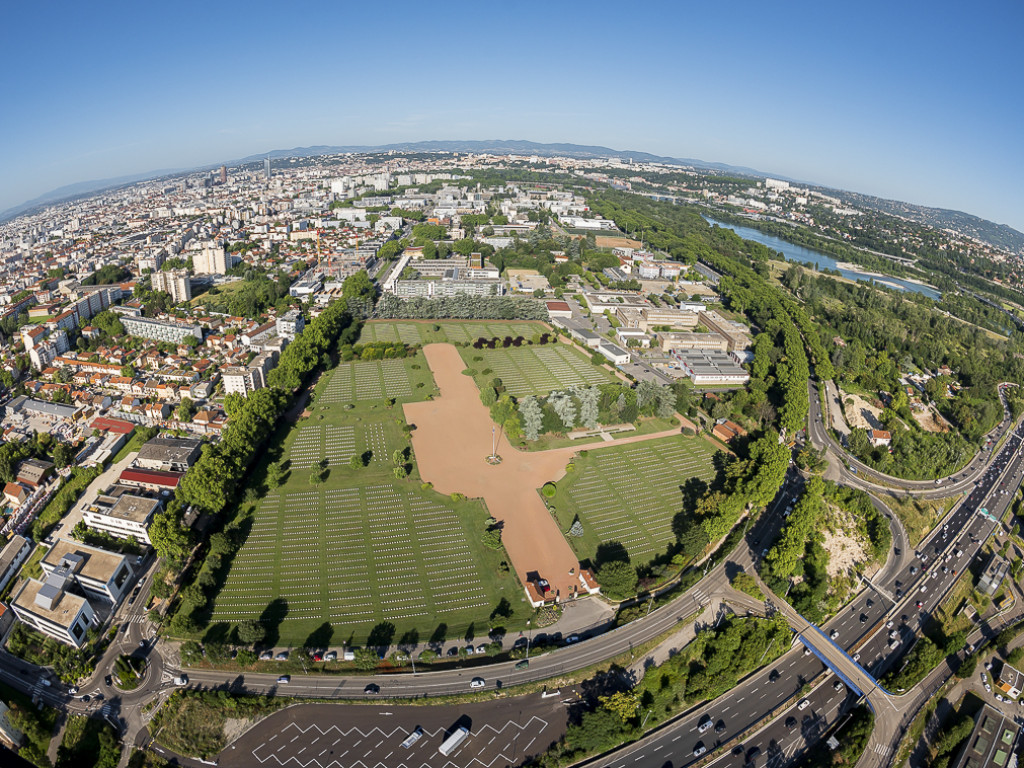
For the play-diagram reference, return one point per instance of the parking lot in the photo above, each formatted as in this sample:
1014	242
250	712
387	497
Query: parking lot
503	732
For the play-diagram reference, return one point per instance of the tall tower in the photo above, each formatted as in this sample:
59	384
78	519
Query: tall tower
266	167
223	174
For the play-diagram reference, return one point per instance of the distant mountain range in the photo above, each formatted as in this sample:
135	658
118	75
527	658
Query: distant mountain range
999	235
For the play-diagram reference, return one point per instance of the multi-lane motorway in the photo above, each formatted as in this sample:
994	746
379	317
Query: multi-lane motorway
763	713
863	633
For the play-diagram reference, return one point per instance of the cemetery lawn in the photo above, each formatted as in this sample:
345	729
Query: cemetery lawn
418	333
328	563
535	369
631	494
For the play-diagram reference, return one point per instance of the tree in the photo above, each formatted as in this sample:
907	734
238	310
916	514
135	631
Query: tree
666	402
624	704
128	371
358	285
170	540
532	416
186	409
564	407
618	579
251	632
63	455
588	397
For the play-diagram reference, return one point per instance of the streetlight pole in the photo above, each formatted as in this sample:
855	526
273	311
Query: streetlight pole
528	634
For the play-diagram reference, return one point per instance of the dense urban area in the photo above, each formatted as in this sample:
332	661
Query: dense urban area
450	458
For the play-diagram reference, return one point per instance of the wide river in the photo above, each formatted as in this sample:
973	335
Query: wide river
801	255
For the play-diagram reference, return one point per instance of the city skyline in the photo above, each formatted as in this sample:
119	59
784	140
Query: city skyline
922	110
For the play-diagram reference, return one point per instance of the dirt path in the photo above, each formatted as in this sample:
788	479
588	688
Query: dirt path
452	439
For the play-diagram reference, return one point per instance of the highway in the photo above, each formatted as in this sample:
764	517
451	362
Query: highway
867	642
856	474
756	714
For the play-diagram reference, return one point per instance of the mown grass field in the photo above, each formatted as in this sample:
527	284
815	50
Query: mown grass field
326	563
429	331
631	494
536	369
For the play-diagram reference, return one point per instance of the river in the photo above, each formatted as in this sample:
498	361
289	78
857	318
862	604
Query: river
801	255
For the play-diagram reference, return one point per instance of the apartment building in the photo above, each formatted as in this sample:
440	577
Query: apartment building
175	282
290	324
98	573
160	330
124	516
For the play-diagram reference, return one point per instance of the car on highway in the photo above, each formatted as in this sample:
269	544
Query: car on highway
720	727
699	750
523	664
804	704
107	680
834	634
838	685
284	679
372	688
477	682
705	725
791	723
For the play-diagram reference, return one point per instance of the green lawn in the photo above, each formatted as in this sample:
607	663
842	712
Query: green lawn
363	547
535	370
630	494
405	380
416	333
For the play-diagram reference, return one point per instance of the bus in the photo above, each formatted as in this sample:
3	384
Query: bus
454	741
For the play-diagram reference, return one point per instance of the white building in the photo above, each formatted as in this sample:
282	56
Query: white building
290	324
159	330
100	574
14	553
214	259
124	517
174	282
49	608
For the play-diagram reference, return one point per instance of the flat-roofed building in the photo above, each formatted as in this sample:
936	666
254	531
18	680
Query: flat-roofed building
709	368
653	317
613	352
290	324
737	334
159	330
97	572
169	454
124	516
33	472
48	607
991	743
599	301
174	282
13	554
680	340
993	575
1011	681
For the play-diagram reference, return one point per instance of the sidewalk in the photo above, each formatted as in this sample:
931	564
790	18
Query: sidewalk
105	480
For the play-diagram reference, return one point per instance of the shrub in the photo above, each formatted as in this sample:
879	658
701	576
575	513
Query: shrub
548	490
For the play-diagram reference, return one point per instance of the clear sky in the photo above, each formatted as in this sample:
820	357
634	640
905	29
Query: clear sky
916	101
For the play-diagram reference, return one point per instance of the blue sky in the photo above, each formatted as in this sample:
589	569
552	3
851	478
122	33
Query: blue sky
916	101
